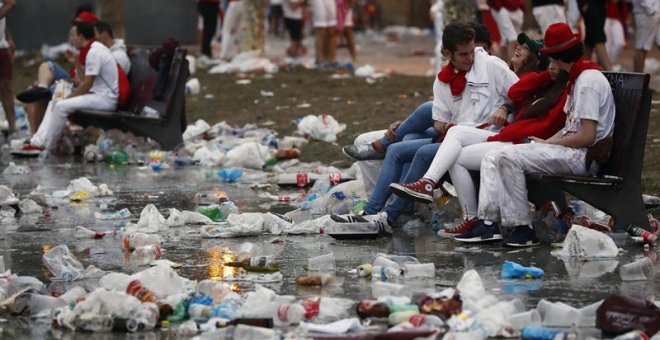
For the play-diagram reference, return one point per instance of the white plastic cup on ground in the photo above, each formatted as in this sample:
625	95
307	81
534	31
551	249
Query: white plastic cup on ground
419	270
557	314
323	263
637	271
528	318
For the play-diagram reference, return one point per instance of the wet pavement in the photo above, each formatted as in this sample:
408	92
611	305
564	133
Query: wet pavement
23	242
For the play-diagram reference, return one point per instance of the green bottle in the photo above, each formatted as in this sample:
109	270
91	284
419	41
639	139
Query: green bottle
211	211
179	312
117	158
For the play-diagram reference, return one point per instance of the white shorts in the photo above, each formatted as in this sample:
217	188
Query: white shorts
348	20
324	13
646	31
548	15
509	23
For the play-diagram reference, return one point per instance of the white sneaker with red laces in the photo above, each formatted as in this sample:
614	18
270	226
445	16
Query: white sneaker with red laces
420	191
27	150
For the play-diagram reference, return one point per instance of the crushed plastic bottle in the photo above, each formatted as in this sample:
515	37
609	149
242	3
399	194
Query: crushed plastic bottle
289	313
116	215
512	270
82	232
147	254
212	211
137	240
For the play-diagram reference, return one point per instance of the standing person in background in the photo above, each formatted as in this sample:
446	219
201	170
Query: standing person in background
548	12
615	28
594	13
275	17
438	17
508	15
325	22
647	23
230	44
345	25
6	65
293	14
208	9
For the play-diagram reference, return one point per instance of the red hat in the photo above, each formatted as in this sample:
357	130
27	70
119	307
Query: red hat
559	38
85	16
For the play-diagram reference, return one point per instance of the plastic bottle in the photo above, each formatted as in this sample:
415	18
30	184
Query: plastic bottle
372	309
289	313
216	290
384	273
72	295
426	320
147	254
646	235
312	307
288	153
212	211
256	322
411	270
381	261
543	333
142	293
145	318
63	264
82	232
396	308
138	240
212	197
116	158
400	259
116	215
92	322
512	270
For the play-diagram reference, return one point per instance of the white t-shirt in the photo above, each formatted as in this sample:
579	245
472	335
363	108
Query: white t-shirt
591	98
488	82
118	52
100	63
648	7
291	11
3	22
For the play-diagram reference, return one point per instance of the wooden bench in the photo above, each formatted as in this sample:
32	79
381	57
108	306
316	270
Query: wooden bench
167	128
617	188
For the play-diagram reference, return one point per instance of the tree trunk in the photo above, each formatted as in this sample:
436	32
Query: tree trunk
113	12
252	26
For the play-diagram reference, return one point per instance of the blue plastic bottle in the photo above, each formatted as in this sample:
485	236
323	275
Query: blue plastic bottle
543	333
512	270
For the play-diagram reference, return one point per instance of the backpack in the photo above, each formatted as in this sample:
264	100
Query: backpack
124	88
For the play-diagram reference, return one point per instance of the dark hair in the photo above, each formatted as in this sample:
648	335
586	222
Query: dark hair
482	34
571	55
102	26
457	33
529	65
86	29
83	8
546	98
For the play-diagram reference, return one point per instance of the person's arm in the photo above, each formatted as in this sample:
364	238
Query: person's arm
544	126
527	86
84	86
582	139
7	6
440	111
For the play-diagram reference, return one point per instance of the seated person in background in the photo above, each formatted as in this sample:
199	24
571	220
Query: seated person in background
589	123
103	34
99	90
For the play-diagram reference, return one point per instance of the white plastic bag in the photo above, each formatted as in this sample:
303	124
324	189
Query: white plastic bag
151	221
324	128
29	206
587	244
63	265
248	155
13	169
162	280
180	218
196	129
208	158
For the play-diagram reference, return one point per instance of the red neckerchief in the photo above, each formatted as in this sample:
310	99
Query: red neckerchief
83	52
456	80
580	66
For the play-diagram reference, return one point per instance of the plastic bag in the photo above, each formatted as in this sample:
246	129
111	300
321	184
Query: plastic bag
230	175
248	155
63	265
13	169
180	218
324	128
151	221
196	129
586	243
29	206
162	280
207	157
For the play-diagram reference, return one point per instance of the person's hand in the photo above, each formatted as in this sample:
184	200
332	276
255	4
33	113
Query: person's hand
499	117
538	140
389	134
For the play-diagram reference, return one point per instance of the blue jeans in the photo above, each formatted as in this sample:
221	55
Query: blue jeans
423	157
419	121
58	74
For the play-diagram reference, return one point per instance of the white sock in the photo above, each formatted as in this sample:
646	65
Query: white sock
42	85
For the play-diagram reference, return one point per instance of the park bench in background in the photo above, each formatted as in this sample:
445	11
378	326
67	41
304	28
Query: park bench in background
617	189
168	125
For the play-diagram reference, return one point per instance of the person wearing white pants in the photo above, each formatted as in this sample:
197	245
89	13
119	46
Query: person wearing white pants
590	119
616	37
647	28
99	90
548	12
509	19
230	45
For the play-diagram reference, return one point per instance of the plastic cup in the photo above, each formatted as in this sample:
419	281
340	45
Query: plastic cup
637	271
419	270
557	314
528	318
323	263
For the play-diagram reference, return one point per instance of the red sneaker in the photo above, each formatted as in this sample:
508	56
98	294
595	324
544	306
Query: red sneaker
460	229
420	191
27	150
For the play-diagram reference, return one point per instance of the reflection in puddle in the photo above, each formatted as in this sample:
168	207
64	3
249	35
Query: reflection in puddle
218	256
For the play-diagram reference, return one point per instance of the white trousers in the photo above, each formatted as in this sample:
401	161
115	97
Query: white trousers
470	159
509	23
503	190
56	115
230	44
457	137
371	168
616	38
548	15
646	31
324	13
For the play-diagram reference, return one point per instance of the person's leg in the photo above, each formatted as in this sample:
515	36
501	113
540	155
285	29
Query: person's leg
35	112
369	168
209	12
638	60
350	40
6	93
602	57
646	29
230	24
331	44
45	74
396	157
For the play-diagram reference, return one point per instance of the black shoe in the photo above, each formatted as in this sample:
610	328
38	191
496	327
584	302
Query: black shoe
34	94
481	232
522	236
362	152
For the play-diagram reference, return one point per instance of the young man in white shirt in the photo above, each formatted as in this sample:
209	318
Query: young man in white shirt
103	34
590	119
99	90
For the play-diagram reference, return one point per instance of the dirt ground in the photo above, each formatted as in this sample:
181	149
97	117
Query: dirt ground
351	100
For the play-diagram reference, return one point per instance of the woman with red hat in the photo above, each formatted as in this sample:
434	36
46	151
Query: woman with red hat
589	112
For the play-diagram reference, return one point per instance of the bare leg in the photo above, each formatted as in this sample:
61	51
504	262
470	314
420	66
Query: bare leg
45	75
35	112
350	40
588	51
603	58
331	44
319	33
639	59
7	98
